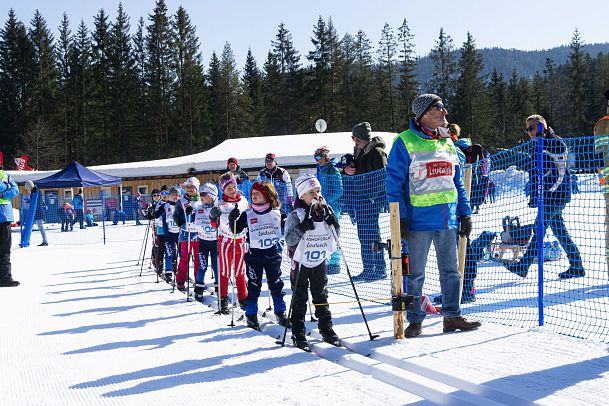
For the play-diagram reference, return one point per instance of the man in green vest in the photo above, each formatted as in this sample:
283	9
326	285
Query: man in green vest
8	190
424	177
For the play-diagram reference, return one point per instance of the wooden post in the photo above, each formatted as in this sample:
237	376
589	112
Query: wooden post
396	267
462	247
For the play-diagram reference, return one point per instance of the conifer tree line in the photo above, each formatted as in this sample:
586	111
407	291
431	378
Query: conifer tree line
122	91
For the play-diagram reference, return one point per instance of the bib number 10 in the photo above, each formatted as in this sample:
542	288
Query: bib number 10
315	255
268	242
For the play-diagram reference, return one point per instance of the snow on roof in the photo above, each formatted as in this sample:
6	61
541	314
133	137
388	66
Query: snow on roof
290	150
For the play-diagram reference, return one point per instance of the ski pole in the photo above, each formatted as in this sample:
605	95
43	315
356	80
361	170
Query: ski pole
141	248
311	312
145	246
232	313
372	337
294	289
187	257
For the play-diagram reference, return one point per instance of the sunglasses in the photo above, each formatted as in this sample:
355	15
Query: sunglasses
440	106
155	195
317	157
530	129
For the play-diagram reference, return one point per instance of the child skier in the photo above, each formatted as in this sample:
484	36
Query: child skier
208	238
310	240
158	250
231	245
171	231
264	222
186	208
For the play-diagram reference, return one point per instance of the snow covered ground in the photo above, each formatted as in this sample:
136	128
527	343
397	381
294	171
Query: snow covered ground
85	329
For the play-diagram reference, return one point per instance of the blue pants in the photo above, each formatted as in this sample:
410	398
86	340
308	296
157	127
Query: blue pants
552	217
368	231
419	243
171	251
208	250
255	266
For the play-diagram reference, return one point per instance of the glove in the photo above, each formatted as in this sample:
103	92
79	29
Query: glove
215	213
331	220
465	226
234	214
188	210
404	229
306	225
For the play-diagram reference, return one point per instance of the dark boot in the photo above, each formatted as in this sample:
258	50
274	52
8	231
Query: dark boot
242	304
282	320
518	268
329	335
252	321
198	293
9	283
459	323
224	305
300	341
413	330
168	276
572	273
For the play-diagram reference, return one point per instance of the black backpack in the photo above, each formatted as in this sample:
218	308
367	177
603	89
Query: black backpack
514	233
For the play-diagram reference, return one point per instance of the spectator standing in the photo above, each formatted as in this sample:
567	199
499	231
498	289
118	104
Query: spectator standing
8	190
280	178
424	177
368	156
556	195
332	184
232	165
41	209
79	205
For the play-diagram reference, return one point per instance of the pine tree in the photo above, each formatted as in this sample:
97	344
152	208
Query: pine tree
386	74
16	82
444	67
216	114
578	71
470	106
190	98
122	89
63	61
408	86
346	95
45	153
231	95
497	92
148	144
518	108
158	74
288	61
365	98
99	114
271	86
81	84
252	86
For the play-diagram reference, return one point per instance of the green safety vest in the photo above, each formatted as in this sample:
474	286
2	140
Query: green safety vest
431	171
4	178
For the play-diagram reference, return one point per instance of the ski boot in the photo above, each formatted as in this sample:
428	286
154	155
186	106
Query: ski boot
223	305
198	293
300	341
282	320
168	276
252	321
329	336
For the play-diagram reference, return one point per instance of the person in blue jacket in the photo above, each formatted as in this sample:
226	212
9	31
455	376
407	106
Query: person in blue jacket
556	194
424	177
332	184
8	190
79	208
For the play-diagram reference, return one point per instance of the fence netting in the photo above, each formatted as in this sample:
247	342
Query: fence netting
504	284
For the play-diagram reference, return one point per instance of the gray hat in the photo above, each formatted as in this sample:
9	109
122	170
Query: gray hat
174	190
362	131
422	103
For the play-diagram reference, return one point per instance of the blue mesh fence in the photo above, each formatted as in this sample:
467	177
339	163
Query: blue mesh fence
503	191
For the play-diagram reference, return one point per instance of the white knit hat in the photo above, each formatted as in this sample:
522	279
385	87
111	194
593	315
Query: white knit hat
209	189
193	181
306	182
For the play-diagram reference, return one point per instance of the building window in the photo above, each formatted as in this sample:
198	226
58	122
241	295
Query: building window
143	190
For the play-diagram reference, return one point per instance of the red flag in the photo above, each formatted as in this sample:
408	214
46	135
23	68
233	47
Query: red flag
22	164
1	159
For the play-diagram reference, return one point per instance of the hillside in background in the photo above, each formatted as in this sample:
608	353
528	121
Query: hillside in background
526	63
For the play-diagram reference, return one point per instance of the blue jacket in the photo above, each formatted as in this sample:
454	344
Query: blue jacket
8	190
331	184
77	202
431	218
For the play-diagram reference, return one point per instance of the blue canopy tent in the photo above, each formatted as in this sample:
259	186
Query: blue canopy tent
77	175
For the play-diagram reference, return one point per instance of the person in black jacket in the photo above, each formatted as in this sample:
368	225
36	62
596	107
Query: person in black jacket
556	195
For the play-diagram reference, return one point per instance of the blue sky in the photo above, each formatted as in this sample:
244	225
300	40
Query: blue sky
516	24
